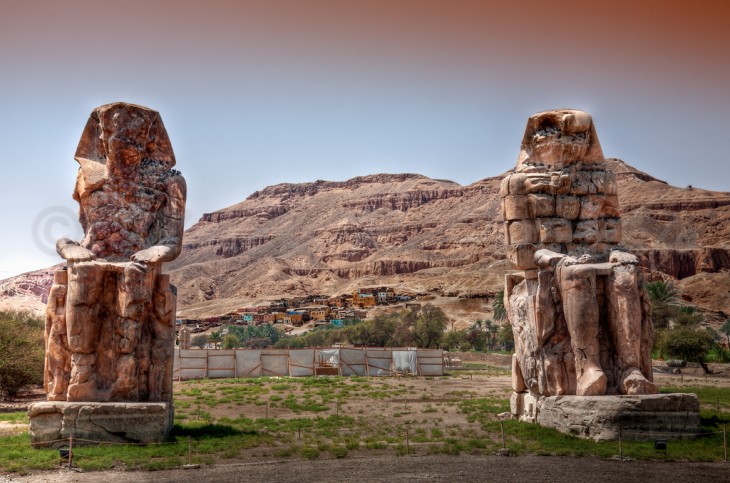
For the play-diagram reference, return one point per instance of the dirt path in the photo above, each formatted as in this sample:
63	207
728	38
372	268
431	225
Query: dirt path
423	468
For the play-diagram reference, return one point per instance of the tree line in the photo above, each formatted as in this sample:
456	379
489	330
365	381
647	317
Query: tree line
426	327
678	333
21	352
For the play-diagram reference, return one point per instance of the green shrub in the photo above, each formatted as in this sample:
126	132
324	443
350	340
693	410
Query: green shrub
21	352
309	452
338	451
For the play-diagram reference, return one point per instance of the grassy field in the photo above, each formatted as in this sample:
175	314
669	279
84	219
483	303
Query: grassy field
267	418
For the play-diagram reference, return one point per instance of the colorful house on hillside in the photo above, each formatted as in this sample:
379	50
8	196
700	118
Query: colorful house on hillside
318	313
363	299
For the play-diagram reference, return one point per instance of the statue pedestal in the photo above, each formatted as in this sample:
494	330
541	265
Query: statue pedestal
52	422
641	417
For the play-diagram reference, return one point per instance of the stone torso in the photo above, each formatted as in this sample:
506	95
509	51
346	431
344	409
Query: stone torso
123	216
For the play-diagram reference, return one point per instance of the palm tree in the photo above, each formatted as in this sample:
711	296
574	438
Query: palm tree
663	296
662	292
216	338
498	309
725	329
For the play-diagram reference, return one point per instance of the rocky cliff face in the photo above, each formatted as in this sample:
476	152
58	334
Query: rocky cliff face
27	292
330	237
420	234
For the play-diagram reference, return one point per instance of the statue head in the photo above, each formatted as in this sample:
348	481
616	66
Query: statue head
120	137
560	138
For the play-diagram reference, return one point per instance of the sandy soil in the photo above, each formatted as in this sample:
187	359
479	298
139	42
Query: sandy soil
421	468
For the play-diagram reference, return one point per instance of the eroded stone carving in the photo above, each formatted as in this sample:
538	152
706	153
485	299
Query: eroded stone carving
110	317
578	310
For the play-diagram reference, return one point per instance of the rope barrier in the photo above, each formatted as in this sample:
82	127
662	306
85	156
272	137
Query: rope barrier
32	443
670	433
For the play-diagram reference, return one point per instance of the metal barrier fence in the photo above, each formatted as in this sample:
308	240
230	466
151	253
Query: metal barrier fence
370	361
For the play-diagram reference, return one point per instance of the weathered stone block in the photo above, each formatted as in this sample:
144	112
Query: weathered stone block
524	406
540	205
515	208
567	207
605	182
526	183
610	230
591	207
531	274
586	231
561	183
94	422
518	383
581	184
504	186
640	417
555	230
611	207
522	231
522	256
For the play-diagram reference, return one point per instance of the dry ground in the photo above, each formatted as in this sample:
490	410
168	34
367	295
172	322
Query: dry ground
530	469
427	402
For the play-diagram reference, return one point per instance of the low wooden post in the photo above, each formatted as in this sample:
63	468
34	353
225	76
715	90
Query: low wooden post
70	450
501	430
724	442
620	445
408	445
267	410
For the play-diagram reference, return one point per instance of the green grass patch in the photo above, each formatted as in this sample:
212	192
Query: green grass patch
213	420
19	417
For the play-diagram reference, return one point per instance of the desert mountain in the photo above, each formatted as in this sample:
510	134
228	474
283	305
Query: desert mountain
418	235
421	235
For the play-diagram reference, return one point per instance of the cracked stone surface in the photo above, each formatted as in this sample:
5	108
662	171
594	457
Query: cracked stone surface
110	318
579	312
52	422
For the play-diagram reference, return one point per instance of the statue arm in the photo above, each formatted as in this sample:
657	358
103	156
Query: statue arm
72	251
173	219
168	249
545	258
622	257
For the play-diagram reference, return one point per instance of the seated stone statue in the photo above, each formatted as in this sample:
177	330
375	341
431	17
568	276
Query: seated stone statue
111	313
578	309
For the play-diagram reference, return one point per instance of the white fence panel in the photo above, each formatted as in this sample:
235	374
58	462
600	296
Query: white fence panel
405	362
353	362
193	363
379	362
275	362
200	363
221	363
430	362
248	363
301	362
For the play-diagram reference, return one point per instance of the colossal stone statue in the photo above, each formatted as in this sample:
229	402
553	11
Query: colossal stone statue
110	320
578	309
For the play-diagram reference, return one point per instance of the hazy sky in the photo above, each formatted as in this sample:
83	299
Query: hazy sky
255	93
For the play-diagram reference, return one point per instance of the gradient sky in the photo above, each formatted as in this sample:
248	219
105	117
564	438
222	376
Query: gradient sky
255	93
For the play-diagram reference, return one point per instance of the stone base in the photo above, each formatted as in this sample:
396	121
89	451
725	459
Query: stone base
52	422
643	417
